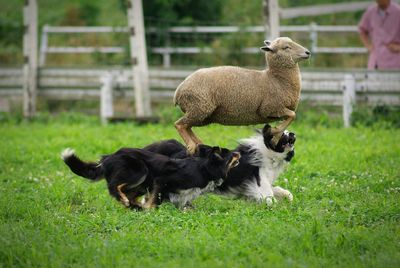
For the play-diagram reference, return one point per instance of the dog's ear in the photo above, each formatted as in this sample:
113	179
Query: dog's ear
225	152
266	131
216	149
216	153
267	135
203	150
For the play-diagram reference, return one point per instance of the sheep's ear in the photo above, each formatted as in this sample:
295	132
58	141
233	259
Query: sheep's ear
267	47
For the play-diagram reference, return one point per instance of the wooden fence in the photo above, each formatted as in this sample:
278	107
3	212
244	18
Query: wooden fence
340	88
166	51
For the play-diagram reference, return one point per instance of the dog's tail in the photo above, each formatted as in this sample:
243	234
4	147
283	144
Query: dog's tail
89	170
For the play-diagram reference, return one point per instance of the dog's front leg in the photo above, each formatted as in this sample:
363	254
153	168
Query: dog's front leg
151	201
269	198
281	193
266	189
123	198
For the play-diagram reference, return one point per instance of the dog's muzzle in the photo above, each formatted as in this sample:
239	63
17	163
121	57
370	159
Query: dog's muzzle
291	139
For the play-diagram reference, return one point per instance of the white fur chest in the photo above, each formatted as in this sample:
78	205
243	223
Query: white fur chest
272	168
271	163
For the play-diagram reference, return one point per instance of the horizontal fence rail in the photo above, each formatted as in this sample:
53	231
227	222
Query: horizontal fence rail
312	29
319	86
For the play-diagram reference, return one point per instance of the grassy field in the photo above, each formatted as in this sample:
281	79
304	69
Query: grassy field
345	211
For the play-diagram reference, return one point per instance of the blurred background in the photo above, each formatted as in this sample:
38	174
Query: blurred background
159	16
92	37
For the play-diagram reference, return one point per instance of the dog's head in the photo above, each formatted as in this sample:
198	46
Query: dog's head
284	145
219	160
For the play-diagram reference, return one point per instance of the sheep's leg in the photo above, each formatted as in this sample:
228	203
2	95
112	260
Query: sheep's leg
279	129
290	116
184	125
184	131
194	137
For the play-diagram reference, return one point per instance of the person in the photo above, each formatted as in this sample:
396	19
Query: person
379	30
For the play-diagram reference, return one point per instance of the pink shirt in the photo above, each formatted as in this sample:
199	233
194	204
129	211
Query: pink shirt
383	28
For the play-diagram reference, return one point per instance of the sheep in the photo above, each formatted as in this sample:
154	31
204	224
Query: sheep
232	95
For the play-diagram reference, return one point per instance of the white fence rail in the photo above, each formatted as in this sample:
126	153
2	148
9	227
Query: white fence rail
340	88
317	10
166	52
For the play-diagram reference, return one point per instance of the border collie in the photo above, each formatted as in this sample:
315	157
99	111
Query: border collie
261	162
131	173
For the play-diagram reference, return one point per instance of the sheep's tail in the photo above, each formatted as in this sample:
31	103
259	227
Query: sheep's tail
175	100
88	170
177	95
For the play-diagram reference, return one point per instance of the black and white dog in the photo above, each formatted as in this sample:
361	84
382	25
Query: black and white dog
132	172
261	162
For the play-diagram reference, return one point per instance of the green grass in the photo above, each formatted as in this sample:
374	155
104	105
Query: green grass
345	211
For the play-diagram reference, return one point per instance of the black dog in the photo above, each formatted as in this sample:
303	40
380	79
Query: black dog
134	172
261	163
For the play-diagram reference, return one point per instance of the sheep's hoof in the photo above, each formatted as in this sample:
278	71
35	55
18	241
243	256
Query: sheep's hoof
192	148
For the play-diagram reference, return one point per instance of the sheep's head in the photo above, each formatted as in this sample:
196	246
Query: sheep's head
284	51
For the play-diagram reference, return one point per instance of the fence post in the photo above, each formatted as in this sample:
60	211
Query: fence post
43	46
167	53
106	97
349	97
271	18
313	37
30	58
139	58
166	59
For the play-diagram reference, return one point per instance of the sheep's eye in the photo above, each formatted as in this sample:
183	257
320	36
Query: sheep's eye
287	47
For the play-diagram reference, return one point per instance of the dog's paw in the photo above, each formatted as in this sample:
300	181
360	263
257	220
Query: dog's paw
281	194
270	200
125	202
289	196
148	206
188	207
219	182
